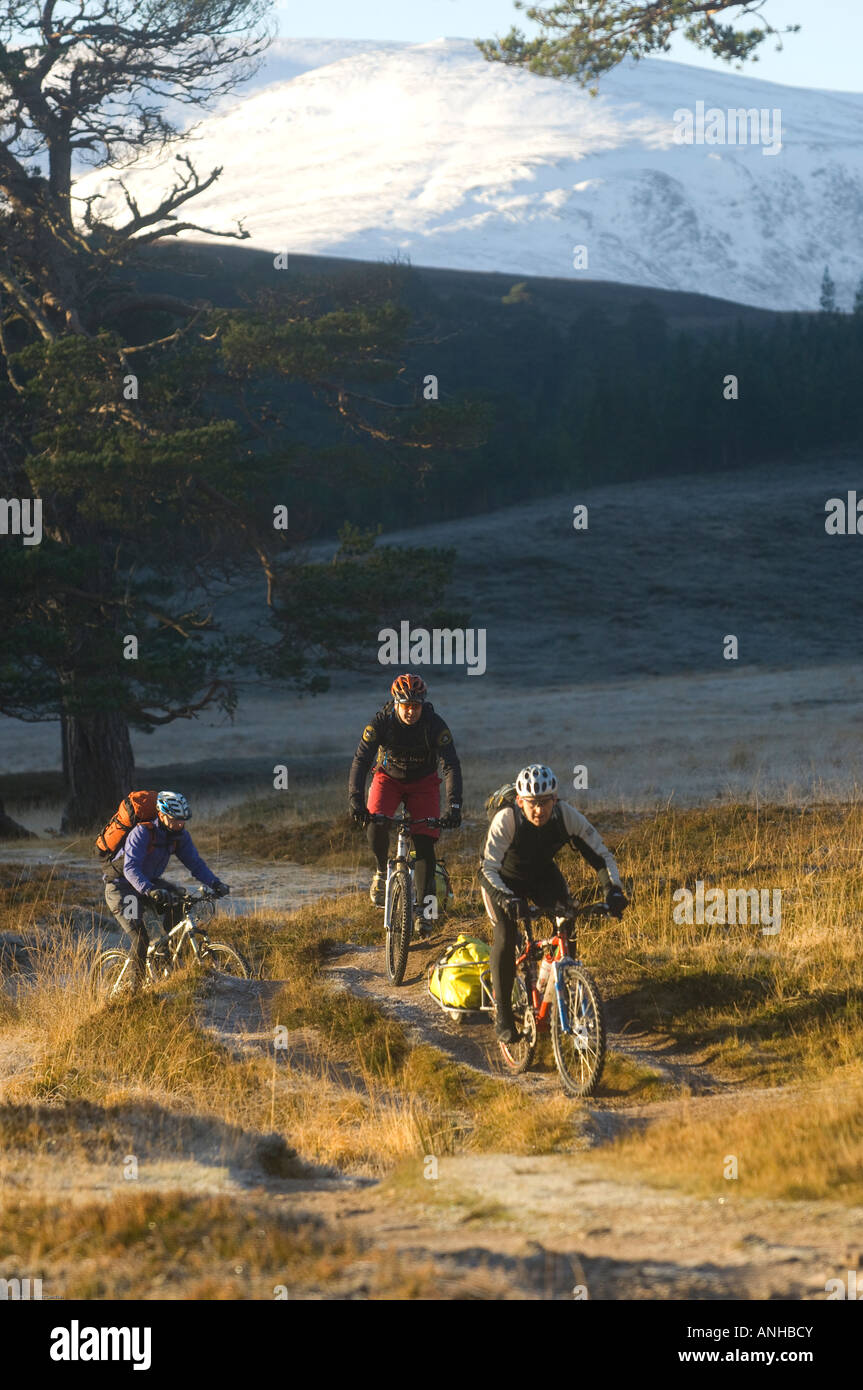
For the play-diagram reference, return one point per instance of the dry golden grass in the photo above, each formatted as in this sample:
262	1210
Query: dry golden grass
145	1245
266	829
28	893
805	1145
444	1106
762	1009
170	1245
338	1101
625	1079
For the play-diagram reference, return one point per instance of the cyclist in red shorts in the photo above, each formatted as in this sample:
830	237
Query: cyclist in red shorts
405	741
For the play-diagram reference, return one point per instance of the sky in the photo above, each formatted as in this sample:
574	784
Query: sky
826	52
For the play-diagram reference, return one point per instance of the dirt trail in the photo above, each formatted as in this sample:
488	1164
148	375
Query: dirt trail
360	969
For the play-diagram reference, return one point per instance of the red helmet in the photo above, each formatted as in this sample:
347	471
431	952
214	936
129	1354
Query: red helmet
408	689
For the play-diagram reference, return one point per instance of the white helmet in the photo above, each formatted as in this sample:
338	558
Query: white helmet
173	804
536	780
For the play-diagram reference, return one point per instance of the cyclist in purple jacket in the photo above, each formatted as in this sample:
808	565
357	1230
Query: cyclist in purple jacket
133	877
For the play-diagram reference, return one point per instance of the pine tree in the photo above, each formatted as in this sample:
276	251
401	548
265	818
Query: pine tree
585	38
125	411
827	298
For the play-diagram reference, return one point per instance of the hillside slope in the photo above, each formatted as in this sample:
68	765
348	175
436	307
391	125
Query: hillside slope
428	151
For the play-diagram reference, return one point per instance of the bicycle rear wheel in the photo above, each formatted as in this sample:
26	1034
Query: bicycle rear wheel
580	1050
216	956
519	1055
401	924
112	975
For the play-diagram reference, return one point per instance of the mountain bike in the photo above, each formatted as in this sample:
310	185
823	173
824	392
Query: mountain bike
553	991
399	894
187	943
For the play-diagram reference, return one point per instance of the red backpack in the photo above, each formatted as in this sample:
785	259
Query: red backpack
133	809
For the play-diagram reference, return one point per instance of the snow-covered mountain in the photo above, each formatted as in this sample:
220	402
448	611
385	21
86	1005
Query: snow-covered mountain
365	150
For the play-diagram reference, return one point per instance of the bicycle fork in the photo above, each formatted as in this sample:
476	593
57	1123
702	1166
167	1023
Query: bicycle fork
573	1026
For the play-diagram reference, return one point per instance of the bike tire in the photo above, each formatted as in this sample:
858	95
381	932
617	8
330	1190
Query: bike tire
112	975
580	1057
225	960
518	1056
401	925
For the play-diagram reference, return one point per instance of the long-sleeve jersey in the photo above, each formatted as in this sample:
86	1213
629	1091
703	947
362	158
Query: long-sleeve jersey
406	752
516	851
148	848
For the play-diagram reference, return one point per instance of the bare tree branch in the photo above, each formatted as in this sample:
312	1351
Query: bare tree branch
214	691
245	526
27	303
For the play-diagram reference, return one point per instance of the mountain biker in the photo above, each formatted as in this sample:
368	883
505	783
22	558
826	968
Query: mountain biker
405	741
134	876
518	865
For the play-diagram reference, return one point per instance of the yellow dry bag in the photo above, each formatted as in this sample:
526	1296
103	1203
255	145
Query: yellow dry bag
455	980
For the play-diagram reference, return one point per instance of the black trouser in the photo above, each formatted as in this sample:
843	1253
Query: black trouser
424	869
127	906
547	890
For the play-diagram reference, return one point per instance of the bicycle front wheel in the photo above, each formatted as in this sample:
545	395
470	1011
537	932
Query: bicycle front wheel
113	976
579	1049
401	925
215	955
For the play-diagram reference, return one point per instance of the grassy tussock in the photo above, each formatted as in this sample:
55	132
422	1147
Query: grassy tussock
766	1009
150	1040
800	1147
144	1245
512	1122
448	1107
625	1078
278	835
28	893
170	1245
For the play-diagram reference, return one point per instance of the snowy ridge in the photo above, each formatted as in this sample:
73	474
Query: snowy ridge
364	150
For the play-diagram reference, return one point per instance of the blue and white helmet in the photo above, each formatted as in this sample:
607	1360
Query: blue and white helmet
536	780
174	805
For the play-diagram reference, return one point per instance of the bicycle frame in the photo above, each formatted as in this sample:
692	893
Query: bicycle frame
553	991
188	928
404	826
402	856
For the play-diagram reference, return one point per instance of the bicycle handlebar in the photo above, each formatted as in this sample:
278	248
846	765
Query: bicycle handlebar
190	896
405	820
568	911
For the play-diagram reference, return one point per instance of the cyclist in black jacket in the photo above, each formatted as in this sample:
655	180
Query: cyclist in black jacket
403	745
518	866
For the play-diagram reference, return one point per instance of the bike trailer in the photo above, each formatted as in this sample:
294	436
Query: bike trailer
461	979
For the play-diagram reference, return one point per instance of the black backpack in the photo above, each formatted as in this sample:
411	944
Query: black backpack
504	796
